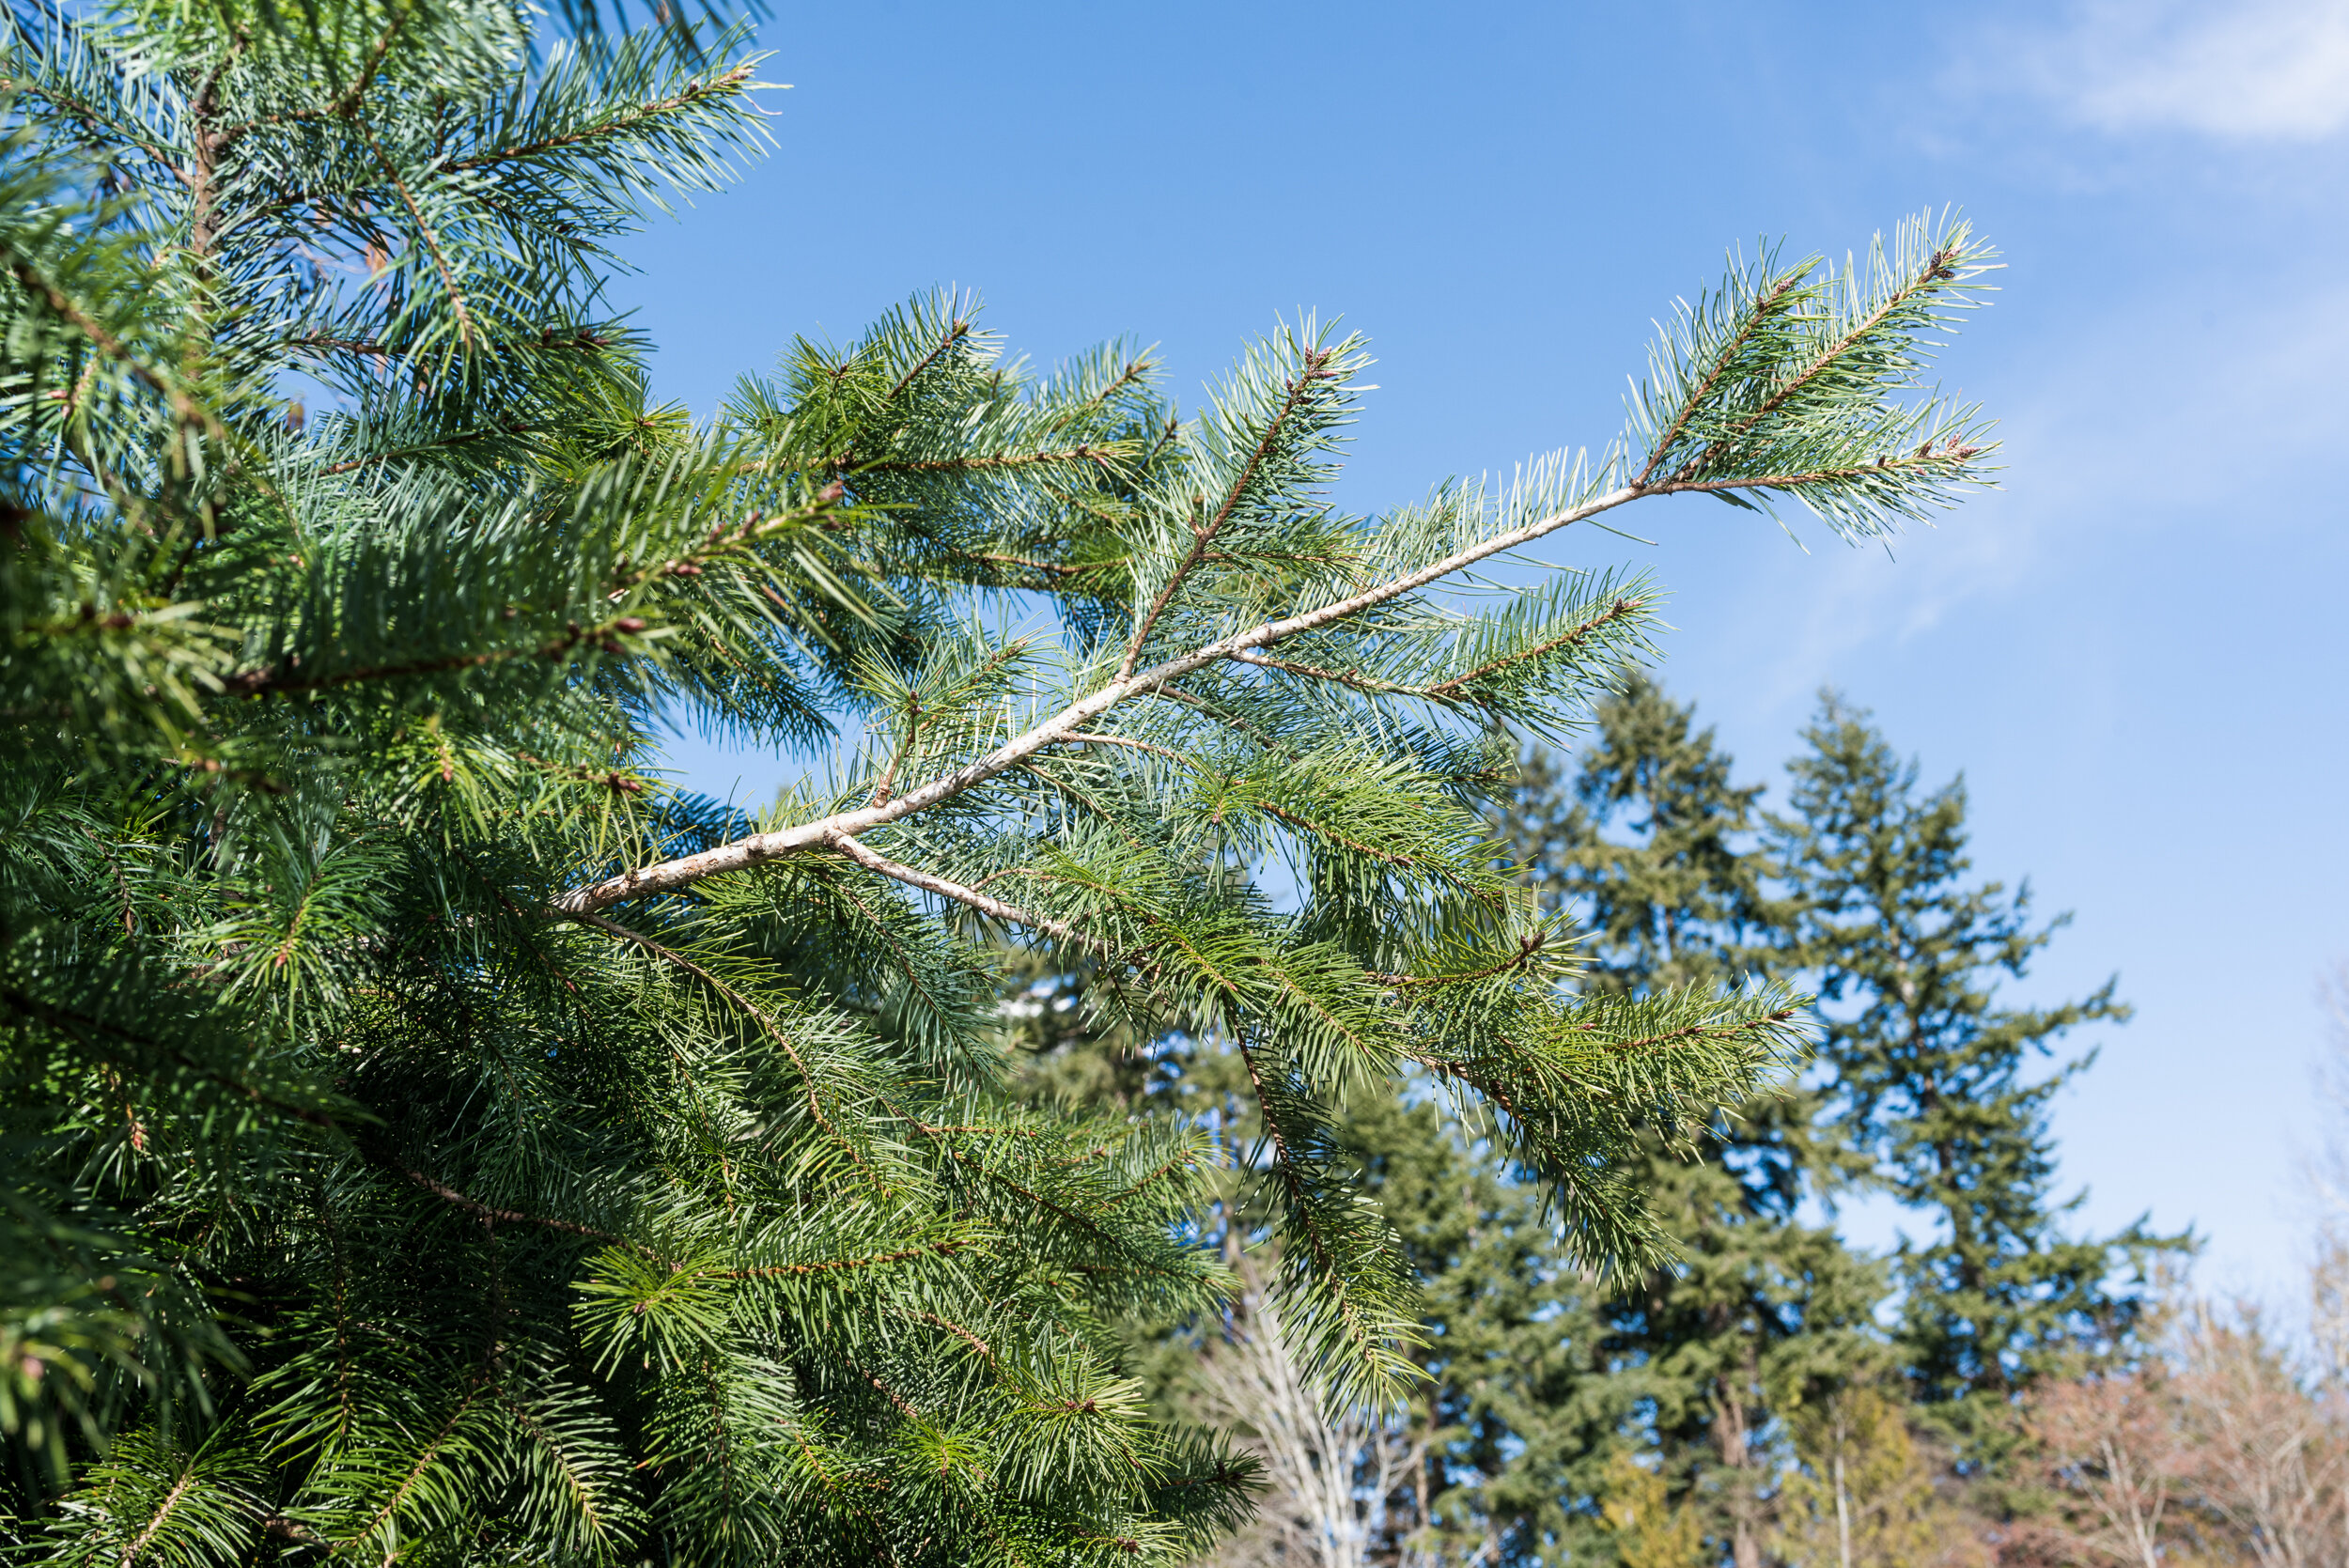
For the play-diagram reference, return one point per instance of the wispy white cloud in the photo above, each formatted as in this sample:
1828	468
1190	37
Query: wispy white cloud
2249	70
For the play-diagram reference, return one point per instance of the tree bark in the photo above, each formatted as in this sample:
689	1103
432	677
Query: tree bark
1734	1439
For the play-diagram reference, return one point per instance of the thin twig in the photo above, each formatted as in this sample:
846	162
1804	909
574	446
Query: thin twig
1935	270
1084	737
1764	307
617	126
928	882
431	240
504	1217
344	104
1203	534
1615	612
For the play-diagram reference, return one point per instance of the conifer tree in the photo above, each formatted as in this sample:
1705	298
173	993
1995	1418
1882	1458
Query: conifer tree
434	1139
1516	1413
1676	896
1644	1525
1516	1407
1655	853
1930	1076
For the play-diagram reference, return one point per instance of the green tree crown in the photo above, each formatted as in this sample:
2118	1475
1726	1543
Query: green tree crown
434	1137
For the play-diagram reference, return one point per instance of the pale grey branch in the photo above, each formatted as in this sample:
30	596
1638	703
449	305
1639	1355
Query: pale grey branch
844	826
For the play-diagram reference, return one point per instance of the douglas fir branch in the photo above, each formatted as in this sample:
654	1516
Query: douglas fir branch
434	1137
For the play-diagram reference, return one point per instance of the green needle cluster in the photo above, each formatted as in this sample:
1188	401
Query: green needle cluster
434	1137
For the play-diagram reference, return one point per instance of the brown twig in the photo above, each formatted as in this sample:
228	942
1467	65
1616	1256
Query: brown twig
619	125
503	1216
1764	307
1615	612
344	103
1085	738
431	238
1203	534
1937	269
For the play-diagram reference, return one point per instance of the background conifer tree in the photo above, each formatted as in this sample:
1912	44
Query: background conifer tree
1653	849
1500	1447
1676	895
1929	1080
1515	1417
1745	1402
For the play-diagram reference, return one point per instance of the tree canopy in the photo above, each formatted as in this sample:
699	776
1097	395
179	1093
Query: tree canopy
433	1137
1774	1395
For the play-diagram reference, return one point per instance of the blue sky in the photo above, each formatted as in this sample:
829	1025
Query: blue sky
2135	652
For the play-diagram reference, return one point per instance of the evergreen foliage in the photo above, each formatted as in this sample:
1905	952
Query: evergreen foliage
1654	847
1928	1075
1921	1089
1517	1416
1746	1404
1499	1446
434	1139
1676	895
